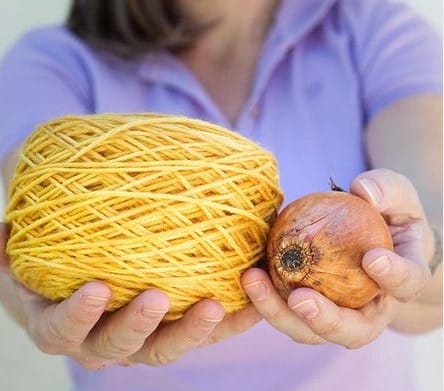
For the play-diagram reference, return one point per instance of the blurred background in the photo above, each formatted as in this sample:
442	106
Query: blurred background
23	367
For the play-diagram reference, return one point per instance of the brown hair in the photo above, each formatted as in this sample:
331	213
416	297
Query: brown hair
132	27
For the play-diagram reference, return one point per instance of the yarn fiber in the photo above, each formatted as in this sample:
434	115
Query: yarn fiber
140	201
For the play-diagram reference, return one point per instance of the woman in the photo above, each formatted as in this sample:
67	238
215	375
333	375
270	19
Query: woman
333	88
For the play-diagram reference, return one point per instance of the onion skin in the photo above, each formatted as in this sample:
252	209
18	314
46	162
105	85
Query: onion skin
318	242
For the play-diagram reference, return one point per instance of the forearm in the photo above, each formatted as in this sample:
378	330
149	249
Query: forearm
426	312
415	125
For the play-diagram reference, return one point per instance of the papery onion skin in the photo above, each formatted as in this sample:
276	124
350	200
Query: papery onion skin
318	242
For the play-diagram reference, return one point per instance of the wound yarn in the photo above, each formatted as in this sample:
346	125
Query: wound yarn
140	201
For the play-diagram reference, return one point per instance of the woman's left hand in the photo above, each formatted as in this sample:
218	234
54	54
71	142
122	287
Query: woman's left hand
309	317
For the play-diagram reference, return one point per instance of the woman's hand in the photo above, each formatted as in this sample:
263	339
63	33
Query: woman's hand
79	328
309	317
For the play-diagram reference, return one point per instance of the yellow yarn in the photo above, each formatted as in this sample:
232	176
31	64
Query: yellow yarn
140	201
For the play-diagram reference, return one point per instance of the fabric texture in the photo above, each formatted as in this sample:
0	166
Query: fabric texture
327	68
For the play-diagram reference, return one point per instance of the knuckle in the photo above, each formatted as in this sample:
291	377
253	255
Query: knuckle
141	328
212	339
362	340
400	280
193	339
46	347
198	332
330	327
241	324
421	283
33	331
141	324
71	342
403	299
81	317
41	343
112	347
274	313
125	362
238	328
352	345
315	340
416	293
54	332
160	358
92	364
68	340
312	339
406	288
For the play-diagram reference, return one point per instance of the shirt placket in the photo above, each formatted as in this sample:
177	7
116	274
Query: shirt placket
292	23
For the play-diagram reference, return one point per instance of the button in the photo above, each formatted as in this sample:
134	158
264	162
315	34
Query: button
286	46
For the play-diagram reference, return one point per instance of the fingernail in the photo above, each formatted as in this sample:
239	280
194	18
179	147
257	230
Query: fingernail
152	313
95	302
207	323
380	267
372	190
256	290
306	309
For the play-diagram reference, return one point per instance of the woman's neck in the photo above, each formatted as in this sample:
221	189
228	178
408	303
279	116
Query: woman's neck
238	24
224	59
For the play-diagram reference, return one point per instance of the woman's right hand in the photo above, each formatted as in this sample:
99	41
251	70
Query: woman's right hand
79	327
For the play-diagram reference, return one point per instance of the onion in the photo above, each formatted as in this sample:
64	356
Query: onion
318	242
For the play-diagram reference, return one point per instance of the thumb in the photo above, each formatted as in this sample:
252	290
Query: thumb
393	195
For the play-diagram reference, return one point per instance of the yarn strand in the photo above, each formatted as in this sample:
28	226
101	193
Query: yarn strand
140	201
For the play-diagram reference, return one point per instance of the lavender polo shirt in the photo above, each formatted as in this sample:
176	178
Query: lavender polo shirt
327	67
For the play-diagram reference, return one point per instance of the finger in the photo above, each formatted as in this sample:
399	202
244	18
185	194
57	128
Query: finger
273	307
396	198
124	332
173	340
4	265
62	327
233	324
349	328
391	193
397	276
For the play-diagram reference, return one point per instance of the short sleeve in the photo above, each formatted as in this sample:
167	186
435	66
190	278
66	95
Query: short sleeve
41	77
398	54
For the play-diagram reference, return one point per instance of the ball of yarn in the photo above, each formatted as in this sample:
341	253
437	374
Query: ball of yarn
139	202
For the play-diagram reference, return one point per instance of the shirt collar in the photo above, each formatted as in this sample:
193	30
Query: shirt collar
294	19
